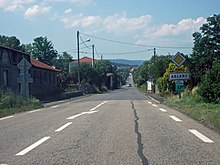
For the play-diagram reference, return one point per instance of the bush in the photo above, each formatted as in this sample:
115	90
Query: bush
209	88
9	100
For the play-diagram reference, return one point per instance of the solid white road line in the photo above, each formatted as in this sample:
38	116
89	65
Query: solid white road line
37	110
83	113
163	110
201	136
98	105
8	117
154	105
31	147
175	118
63	127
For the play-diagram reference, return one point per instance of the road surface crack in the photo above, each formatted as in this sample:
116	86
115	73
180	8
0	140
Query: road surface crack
139	140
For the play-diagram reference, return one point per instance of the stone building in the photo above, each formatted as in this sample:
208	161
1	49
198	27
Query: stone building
44	76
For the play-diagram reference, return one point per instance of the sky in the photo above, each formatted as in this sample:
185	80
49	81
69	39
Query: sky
119	29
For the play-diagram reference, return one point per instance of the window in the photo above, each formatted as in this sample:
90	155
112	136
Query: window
5	57
5	78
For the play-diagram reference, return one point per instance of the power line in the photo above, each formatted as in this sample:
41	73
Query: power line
133	52
83	42
142	45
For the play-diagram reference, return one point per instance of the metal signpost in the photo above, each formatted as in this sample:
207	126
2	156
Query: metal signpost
24	77
179	76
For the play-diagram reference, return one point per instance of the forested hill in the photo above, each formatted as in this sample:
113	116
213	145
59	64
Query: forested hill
127	62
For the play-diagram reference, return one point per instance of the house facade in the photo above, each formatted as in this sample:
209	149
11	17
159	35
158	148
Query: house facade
44	76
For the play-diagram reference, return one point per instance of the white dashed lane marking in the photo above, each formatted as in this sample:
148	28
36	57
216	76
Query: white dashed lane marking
154	105
98	105
175	118
55	106
163	110
37	110
92	110
83	113
63	127
201	136
31	147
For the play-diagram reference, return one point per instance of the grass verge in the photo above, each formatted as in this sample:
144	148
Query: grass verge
206	113
11	104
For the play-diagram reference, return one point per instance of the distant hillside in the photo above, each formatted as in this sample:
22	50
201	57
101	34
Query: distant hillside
127	62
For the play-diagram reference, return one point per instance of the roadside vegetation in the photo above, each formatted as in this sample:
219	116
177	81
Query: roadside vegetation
11	103
201	97
194	106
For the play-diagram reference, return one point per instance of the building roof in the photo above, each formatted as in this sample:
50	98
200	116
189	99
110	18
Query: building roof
42	65
84	59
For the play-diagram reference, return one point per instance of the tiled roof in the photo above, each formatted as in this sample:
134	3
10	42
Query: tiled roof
42	65
84	59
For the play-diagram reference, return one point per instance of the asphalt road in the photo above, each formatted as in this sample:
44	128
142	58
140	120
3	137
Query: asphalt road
121	127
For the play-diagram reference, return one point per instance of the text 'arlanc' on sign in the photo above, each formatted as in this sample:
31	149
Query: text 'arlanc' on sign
179	76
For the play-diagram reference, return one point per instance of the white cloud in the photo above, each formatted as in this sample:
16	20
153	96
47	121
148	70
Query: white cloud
120	23
76	2
12	5
179	34
92	23
185	25
117	23
36	10
68	11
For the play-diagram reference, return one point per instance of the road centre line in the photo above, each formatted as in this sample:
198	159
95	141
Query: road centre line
175	118
8	117
31	147
154	105
55	106
37	110
201	136
98	105
80	114
163	110
63	127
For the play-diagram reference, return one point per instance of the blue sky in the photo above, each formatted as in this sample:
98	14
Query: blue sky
164	24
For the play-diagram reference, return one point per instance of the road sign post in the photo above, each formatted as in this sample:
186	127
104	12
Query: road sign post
179	76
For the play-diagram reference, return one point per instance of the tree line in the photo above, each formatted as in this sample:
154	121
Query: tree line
203	65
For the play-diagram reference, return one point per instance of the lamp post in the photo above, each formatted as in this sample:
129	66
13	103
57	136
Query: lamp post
78	58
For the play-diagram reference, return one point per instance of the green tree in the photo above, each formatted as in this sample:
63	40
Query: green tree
209	87
62	62
11	42
206	48
27	48
43	50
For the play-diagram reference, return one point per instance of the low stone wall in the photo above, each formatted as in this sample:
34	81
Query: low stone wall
67	95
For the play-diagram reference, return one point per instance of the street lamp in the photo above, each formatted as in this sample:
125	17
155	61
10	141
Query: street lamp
78	60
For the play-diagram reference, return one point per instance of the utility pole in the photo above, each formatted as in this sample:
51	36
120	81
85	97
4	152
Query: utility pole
93	55
154	55
78	62
154	81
